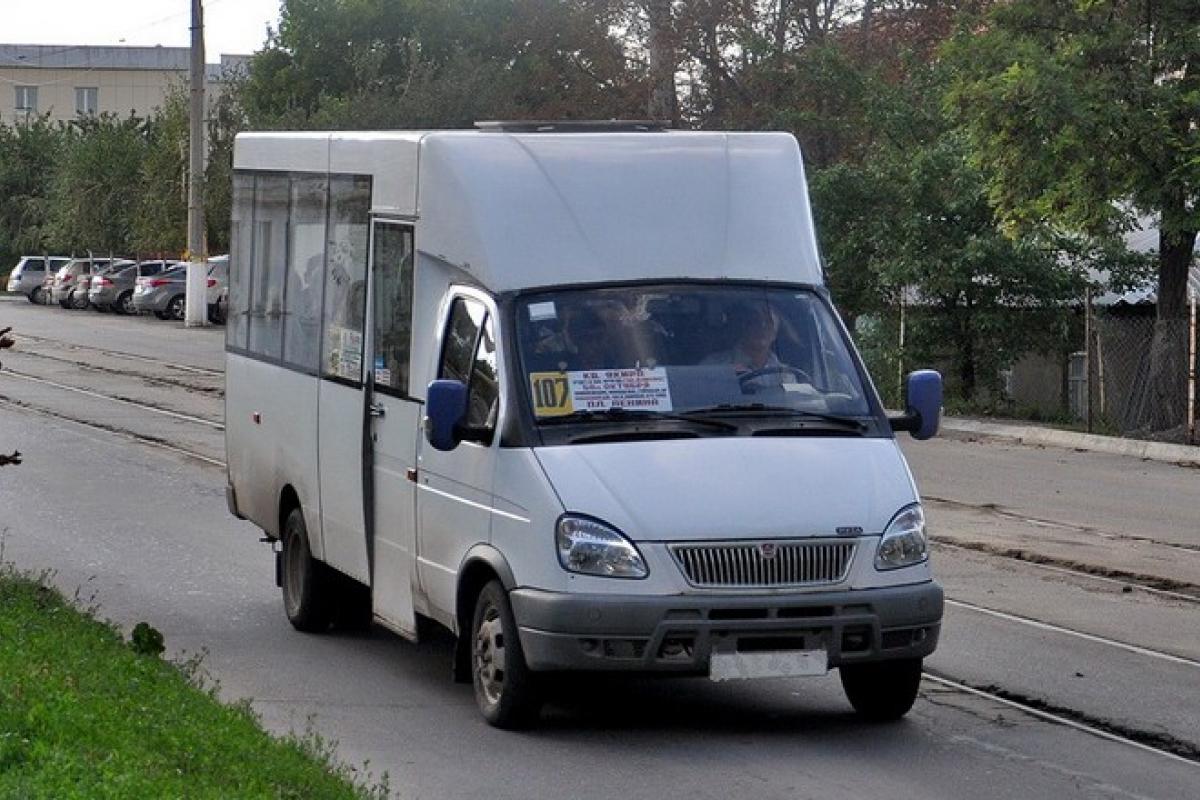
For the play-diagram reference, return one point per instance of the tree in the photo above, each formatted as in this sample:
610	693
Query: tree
912	223
160	224
94	196
30	151
1086	114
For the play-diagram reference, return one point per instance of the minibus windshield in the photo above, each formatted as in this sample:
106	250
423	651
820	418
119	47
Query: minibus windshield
677	350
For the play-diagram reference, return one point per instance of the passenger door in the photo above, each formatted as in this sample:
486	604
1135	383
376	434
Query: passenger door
454	499
395	423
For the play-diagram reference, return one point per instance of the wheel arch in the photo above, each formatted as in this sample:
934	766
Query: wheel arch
482	564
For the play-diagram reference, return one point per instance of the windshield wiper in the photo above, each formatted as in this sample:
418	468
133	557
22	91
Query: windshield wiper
636	414
762	410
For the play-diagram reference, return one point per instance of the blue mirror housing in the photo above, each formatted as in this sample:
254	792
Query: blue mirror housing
445	409
923	401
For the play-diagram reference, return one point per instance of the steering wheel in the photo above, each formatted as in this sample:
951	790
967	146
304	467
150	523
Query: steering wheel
774	369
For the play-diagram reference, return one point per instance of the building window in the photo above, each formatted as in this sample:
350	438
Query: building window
87	100
27	99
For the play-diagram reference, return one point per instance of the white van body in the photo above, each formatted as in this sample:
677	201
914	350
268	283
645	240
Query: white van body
759	547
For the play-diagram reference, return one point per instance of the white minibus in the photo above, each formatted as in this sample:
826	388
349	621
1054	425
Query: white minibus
578	393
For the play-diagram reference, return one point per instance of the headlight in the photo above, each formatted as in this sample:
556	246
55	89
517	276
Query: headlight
593	548
903	543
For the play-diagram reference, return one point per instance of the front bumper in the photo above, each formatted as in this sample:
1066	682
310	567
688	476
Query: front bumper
679	633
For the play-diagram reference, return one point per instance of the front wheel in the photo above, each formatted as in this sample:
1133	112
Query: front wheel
306	581
882	691
37	296
125	304
505	689
79	301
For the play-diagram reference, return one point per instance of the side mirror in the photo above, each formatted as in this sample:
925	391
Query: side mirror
445	409
923	405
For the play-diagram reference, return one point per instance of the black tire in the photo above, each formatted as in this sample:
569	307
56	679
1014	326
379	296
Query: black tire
176	308
100	309
124	304
37	296
65	303
76	302
306	581
505	690
162	315
883	691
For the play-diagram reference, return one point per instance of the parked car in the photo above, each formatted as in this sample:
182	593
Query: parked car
113	290
218	289
80	297
165	294
30	274
62	284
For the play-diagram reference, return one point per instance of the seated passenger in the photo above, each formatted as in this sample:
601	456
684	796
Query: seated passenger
755	327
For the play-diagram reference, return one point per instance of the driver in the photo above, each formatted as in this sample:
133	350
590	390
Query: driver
756	325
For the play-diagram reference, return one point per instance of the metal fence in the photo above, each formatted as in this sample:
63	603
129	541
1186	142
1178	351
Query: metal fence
1136	375
1101	368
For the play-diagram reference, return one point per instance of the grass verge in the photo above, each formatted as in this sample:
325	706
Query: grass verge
84	715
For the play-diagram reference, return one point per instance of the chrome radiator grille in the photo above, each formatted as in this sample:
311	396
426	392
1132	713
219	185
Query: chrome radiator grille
764	564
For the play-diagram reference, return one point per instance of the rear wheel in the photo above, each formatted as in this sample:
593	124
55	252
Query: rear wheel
505	689
37	296
176	307
125	304
78	300
882	691
306	581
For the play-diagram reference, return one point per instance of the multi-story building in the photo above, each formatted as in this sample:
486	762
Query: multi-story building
66	81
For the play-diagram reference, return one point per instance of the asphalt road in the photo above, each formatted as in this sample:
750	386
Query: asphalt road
121	495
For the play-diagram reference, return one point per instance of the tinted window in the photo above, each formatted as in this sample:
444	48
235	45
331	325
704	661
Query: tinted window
306	266
240	253
345	300
393	276
483	397
270	258
458	348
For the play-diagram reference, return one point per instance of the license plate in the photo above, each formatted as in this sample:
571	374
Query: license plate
770	664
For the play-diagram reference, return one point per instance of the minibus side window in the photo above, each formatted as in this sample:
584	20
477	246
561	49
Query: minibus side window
241	248
306	269
345	277
483	397
469	355
270	256
393	276
459	347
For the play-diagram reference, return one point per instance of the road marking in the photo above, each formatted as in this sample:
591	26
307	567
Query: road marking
1046	626
1067	721
175	414
1076	572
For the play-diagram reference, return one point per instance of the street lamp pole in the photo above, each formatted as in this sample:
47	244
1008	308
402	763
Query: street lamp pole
197	273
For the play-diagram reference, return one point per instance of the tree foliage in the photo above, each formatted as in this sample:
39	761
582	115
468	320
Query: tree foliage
1086	115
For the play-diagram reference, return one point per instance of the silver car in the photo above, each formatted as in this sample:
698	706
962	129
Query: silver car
63	283
165	294
29	276
218	288
113	290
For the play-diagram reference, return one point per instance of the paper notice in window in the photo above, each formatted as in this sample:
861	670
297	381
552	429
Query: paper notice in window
559	393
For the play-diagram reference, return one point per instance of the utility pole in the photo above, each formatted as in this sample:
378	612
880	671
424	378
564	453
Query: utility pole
196	313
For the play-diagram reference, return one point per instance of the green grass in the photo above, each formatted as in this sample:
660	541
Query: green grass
82	715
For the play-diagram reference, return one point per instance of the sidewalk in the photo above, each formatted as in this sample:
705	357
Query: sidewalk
1186	455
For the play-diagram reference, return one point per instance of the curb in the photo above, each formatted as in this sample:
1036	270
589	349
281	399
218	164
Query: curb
1182	454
